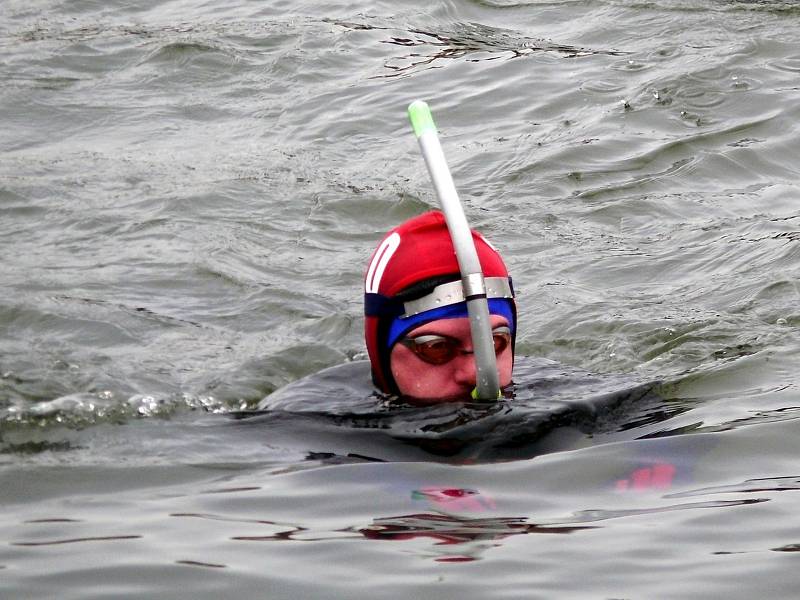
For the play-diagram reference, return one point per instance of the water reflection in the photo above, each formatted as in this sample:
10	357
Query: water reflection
464	539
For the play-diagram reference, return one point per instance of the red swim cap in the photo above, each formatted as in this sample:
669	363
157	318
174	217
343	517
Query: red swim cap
411	260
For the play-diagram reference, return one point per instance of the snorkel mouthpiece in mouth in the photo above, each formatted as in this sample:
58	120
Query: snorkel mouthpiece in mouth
474	394
472	280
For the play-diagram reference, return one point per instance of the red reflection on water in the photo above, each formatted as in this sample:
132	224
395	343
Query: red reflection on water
458	499
656	477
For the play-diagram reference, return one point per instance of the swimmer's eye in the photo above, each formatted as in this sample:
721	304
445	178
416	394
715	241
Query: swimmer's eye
440	349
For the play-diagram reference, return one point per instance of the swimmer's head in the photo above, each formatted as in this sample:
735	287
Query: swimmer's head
412	283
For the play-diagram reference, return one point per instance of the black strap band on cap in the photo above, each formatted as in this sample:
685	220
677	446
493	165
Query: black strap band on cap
377	305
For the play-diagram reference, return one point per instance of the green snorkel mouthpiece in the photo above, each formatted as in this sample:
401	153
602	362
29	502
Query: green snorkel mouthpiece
488	386
474	394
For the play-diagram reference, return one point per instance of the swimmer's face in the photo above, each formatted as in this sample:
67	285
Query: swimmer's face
453	379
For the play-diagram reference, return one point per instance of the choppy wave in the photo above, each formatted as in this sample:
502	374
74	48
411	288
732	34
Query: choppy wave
189	195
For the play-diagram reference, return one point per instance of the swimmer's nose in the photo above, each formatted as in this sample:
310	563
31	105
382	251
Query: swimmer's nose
465	373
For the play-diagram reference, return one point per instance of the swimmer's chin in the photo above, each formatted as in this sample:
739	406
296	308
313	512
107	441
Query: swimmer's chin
465	396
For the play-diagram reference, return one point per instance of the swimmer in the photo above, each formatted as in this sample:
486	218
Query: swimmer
416	326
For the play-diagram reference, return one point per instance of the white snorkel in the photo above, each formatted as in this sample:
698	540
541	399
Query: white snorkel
472	281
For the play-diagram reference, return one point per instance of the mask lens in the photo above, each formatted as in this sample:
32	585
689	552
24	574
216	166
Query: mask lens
437	349
433	349
502	339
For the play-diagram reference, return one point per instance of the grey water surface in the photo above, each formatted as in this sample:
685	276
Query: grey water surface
189	192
